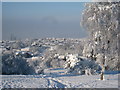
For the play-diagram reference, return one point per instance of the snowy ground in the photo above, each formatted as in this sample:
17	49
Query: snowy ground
56	78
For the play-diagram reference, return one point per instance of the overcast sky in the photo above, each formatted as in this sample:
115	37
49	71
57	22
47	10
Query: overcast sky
42	19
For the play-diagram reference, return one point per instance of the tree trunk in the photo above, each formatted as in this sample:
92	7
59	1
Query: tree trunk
102	73
101	76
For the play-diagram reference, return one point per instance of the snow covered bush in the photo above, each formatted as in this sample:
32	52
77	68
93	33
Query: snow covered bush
15	65
102	20
35	63
81	65
50	59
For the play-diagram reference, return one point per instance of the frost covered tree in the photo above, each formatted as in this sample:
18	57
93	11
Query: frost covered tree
102	20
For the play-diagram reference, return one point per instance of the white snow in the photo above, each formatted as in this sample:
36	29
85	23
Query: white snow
58	79
25	49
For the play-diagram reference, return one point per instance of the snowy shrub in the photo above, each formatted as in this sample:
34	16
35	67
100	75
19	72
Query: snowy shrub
81	65
15	65
52	59
35	63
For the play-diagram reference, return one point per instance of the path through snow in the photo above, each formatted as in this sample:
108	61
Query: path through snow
56	78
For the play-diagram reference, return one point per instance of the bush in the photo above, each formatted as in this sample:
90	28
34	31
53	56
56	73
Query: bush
15	65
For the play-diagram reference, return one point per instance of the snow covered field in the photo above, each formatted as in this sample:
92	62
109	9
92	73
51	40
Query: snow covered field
57	78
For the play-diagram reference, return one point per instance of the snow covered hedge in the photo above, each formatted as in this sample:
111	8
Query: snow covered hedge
81	65
15	65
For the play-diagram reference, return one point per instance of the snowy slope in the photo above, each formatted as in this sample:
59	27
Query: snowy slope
56	78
